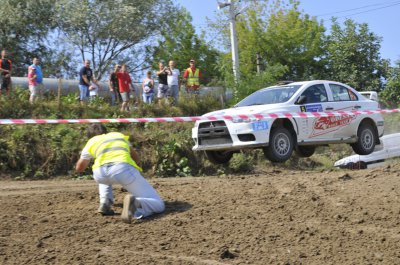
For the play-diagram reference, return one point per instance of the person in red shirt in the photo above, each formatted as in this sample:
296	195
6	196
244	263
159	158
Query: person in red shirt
33	84
125	86
192	78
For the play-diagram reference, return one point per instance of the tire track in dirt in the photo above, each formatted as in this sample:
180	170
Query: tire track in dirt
146	254
22	188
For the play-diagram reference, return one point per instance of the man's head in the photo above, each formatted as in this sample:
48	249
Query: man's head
117	67
4	54
192	63
161	65
95	129
36	61
171	64
149	74
87	63
124	68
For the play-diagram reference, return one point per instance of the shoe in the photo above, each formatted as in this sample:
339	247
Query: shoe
105	208
128	209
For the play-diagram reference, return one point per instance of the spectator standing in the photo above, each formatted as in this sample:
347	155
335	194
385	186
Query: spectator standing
148	88
174	82
192	77
125	86
114	86
39	74
94	89
85	77
5	73
162	74
33	84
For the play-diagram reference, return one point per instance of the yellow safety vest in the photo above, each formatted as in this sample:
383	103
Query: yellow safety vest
193	79
110	148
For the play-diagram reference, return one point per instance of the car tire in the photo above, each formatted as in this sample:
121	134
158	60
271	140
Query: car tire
219	157
280	146
366	135
305	151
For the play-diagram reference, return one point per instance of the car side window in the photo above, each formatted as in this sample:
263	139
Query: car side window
315	94
341	93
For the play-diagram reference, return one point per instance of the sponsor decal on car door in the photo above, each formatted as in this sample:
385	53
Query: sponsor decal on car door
337	127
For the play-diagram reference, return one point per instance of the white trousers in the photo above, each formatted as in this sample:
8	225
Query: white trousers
147	199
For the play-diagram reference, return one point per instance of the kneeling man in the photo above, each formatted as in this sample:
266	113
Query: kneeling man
116	162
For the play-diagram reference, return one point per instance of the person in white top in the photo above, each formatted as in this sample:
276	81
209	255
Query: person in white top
148	88
174	82
94	89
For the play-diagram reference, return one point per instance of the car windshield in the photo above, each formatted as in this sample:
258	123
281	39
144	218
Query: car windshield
272	95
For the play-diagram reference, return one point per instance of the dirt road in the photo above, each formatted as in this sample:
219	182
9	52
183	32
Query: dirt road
273	217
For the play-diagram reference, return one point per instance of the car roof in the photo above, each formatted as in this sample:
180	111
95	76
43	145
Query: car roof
312	82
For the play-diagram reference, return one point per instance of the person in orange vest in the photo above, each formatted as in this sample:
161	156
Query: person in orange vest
192	77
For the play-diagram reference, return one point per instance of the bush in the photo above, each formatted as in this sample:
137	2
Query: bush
43	151
241	163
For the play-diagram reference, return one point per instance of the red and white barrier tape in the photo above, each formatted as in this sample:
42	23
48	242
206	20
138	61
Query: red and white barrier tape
198	118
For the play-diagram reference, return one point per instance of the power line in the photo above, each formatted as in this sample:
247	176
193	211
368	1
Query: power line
371	10
391	3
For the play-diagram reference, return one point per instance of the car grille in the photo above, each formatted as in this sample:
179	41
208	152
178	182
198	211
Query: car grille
213	133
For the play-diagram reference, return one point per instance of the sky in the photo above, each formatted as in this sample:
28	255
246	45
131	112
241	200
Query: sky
382	16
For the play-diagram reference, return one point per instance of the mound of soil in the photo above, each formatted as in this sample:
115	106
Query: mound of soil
273	217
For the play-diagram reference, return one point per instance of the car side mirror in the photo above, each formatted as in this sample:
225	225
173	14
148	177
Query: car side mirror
301	100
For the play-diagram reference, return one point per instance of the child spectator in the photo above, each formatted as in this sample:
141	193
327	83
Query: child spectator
148	88
94	89
33	85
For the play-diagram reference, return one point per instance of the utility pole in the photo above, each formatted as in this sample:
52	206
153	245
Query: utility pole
234	41
258	63
234	45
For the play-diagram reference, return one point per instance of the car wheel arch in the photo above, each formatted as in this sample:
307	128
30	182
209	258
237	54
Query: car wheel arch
287	124
371	122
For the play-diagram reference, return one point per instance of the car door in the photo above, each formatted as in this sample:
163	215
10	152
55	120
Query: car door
316	100
342	99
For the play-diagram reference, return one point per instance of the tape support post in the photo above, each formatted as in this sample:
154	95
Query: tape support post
259	116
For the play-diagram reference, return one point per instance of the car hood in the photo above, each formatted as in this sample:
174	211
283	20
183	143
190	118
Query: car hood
249	110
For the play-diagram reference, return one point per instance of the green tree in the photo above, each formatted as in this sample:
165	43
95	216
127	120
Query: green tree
24	25
390	96
276	41
106	31
179	42
295	40
353	56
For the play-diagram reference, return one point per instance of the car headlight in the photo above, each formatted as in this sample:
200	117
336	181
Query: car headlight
248	120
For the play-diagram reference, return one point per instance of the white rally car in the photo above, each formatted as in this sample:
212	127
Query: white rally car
278	137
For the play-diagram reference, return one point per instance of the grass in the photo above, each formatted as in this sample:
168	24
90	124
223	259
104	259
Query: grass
46	151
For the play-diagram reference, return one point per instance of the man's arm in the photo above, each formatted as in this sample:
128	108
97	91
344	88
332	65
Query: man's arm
135	157
81	165
83	74
179	80
184	80
110	84
84	77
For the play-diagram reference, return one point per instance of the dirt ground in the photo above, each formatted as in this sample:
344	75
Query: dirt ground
272	217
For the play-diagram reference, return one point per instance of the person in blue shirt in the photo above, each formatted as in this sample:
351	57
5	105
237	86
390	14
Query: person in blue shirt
39	74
